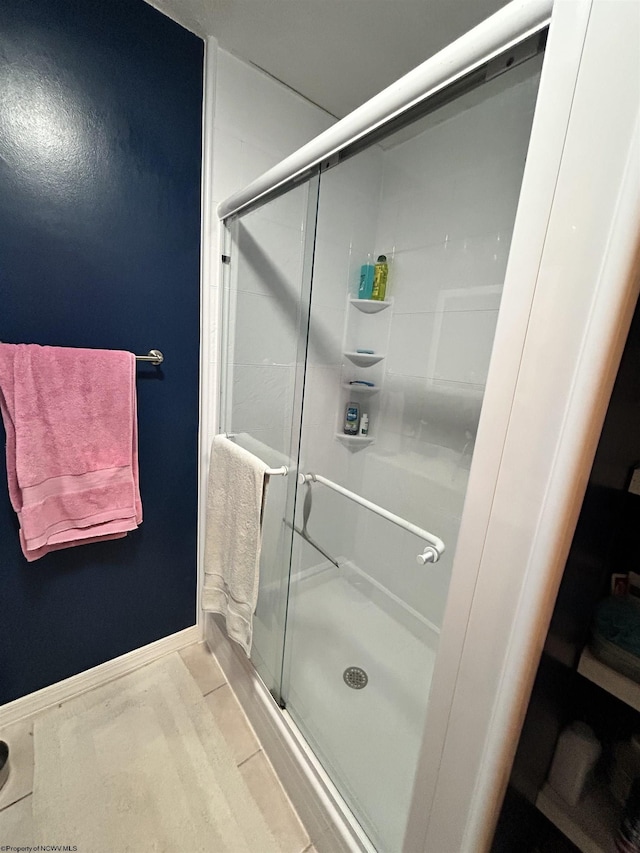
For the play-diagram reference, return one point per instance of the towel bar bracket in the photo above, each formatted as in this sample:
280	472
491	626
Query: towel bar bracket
283	471
277	472
154	357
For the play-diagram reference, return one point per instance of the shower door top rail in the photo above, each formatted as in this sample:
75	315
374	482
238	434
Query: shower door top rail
508	27
433	551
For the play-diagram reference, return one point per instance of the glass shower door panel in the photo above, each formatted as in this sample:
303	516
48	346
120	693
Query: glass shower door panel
266	315
438	199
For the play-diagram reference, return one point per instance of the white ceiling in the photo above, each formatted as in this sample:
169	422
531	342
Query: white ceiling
337	53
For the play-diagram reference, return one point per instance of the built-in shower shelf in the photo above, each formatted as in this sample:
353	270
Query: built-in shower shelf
355	441
363	359
361	389
370	306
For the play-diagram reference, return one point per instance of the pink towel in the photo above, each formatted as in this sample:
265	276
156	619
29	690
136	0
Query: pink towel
72	444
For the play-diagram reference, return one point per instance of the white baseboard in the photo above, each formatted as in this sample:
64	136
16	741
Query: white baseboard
320	807
39	701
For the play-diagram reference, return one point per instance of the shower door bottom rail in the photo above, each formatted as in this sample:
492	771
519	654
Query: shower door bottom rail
433	551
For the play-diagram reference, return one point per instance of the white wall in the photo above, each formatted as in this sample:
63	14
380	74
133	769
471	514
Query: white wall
447	210
347	217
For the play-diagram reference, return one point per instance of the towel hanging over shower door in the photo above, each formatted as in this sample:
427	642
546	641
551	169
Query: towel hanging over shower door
235	502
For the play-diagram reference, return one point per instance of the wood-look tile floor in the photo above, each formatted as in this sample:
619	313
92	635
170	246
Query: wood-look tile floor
255	768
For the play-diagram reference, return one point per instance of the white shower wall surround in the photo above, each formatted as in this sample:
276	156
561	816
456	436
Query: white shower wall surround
441	206
446	226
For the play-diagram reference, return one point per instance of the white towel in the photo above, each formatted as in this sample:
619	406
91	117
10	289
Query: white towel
273	458
235	500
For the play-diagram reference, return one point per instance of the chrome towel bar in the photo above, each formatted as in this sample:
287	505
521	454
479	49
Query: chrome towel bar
153	357
435	547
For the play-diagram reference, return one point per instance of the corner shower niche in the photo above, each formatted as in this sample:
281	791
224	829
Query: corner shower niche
367	327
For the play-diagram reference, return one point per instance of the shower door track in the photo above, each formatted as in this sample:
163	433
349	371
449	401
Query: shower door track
500	36
317	800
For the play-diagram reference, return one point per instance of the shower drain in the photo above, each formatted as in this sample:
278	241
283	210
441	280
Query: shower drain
355	677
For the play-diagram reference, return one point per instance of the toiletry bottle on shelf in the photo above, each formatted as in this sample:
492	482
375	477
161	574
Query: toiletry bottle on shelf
366	281
380	275
364	424
351	419
576	753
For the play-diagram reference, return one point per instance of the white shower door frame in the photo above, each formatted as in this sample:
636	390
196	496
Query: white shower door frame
571	286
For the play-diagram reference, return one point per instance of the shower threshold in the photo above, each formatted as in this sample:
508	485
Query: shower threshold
337	799
325	814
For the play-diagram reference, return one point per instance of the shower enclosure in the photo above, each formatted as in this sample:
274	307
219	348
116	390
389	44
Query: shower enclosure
352	599
406	577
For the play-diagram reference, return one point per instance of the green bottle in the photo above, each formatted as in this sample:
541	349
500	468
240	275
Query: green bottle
380	275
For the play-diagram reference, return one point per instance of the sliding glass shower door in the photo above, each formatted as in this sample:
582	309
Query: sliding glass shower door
438	199
359	540
265	311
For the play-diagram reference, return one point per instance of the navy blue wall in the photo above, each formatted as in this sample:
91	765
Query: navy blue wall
100	151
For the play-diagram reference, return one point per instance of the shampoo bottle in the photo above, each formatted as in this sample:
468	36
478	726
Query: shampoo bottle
366	281
351	419
364	424
380	275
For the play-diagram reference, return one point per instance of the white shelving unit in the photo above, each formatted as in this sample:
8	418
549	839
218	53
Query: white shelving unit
365	328
591	825
613	682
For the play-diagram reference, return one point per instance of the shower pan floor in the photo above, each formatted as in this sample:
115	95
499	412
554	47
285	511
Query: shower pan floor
367	739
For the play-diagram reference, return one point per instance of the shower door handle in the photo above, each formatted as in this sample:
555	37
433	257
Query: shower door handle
429	555
432	552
